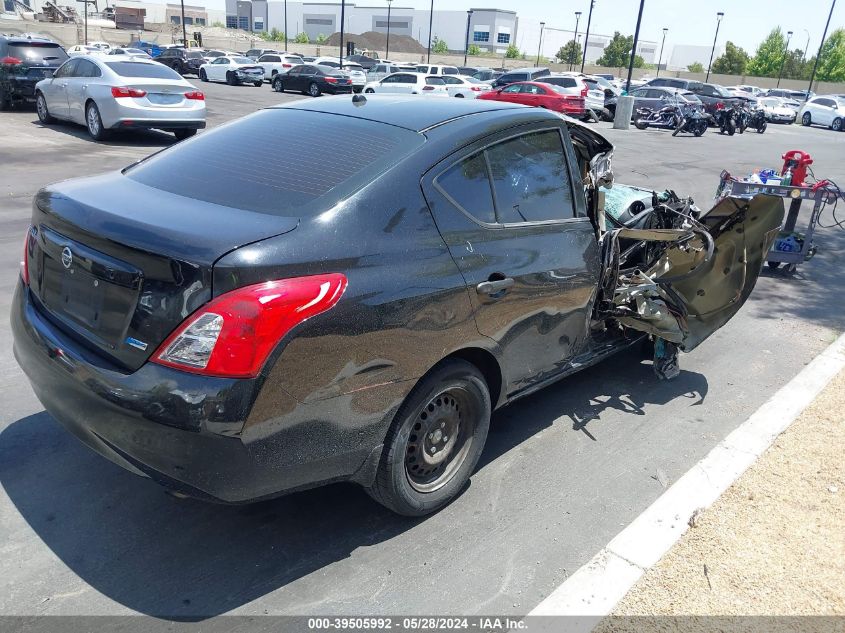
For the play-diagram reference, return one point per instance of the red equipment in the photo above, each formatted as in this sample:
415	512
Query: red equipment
797	162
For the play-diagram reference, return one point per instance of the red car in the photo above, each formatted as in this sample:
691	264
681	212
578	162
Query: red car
538	94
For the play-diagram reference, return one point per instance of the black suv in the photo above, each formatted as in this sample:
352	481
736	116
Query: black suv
181	60
23	63
520	74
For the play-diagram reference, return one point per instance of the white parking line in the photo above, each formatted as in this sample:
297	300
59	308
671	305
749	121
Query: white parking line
597	587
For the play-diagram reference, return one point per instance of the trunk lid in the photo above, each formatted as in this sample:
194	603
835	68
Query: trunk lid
117	264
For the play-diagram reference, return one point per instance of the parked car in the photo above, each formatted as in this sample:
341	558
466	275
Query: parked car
23	63
427	69
487	74
84	49
380	71
314	79
108	93
461	86
654	98
828	110
379	340
754	91
467	71
233	70
129	52
308	59
103	46
674	82
211	55
409	83
775	111
152	49
355	71
255	53
275	63
520	74
184	61
713	96
365	61
541	95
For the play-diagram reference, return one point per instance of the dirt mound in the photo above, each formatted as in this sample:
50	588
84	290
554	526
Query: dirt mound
378	41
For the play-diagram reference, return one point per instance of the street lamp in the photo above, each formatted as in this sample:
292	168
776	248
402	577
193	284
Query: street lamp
719	17
587	36
575	39
540	45
785	54
634	47
387	44
430	23
821	45
286	25
662	44
466	39
342	24
806	46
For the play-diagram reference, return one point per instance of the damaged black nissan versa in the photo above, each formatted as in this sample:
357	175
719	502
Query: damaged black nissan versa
236	334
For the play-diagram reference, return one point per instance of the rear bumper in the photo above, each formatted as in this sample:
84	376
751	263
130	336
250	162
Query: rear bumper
191	433
22	88
118	113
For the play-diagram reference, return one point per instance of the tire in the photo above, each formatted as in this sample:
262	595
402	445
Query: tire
231	79
182	134
459	96
41	108
773	265
370	91
314	90
836	126
640	124
94	122
5	100
278	84
203	76
258	84
447	412
700	128
807	119
762	127
731	127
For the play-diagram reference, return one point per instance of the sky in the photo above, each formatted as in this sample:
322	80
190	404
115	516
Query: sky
746	22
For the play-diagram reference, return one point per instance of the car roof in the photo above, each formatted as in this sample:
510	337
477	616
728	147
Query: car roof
410	112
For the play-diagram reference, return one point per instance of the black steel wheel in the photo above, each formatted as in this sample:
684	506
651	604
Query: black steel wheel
435	440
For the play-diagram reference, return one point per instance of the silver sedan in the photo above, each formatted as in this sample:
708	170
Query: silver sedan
113	92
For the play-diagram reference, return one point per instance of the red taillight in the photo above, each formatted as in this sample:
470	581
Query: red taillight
428	87
196	95
11	60
475	88
720	105
287	65
584	91
331	80
120	92
233	335
25	260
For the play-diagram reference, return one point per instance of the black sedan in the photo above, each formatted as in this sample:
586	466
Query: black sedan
234	334
314	79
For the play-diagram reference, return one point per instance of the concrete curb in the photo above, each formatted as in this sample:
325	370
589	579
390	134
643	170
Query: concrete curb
597	587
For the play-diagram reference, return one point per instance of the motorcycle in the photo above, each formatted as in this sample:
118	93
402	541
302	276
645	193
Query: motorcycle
757	120
726	119
678	117
742	116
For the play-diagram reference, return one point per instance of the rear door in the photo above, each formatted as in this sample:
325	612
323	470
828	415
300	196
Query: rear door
516	228
77	88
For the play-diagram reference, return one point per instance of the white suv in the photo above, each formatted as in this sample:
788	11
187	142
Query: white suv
826	110
428	69
409	84
277	64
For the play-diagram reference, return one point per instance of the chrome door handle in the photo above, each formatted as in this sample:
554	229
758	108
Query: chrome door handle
494	287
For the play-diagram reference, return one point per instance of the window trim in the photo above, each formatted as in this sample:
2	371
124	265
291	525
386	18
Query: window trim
482	146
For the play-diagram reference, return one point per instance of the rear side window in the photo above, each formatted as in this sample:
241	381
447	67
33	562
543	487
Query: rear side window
434	81
467	185
37	52
140	69
218	166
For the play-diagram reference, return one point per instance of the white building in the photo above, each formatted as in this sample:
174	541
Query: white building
554	38
685	54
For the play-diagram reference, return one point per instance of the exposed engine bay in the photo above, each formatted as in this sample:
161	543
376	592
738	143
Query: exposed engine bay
670	270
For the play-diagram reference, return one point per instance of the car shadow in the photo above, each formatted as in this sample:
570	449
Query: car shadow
189	560
117	138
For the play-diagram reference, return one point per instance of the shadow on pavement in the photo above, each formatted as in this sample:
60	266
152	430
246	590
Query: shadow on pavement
116	138
187	559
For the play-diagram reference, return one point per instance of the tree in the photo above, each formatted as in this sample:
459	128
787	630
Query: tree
321	39
696	67
617	53
769	56
439	46
733	62
832	60
570	53
276	35
474	50
794	67
302	38
512	52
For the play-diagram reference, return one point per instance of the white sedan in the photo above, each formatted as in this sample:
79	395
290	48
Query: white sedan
234	70
464	87
774	110
409	84
83	49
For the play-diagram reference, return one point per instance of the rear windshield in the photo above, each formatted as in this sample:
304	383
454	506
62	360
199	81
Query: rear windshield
434	81
140	69
37	52
242	60
194	55
219	166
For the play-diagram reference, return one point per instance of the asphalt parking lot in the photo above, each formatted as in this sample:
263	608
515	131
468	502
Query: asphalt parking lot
563	471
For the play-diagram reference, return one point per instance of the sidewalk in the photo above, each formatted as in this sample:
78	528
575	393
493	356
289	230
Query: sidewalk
773	543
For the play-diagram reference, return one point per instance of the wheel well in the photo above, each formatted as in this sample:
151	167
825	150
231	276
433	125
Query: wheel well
274	73
487	365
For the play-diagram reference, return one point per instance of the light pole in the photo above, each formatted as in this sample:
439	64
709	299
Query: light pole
587	36
575	39
466	39
821	45
540	45
342	24
85	3
286	25
634	48
387	44
785	54
430	23
184	34
662	44
719	17
806	46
